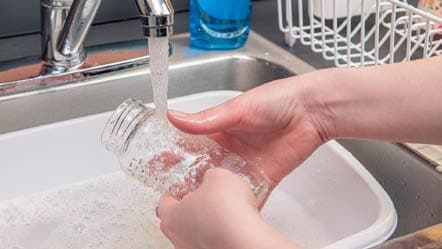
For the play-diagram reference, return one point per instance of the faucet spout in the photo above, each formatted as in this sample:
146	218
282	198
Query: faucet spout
157	17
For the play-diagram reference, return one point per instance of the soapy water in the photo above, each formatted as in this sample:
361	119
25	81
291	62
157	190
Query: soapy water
108	212
115	212
159	69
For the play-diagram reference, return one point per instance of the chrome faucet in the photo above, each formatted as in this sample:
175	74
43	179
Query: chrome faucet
64	28
65	25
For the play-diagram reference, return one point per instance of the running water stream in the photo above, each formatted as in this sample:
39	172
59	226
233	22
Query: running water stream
159	73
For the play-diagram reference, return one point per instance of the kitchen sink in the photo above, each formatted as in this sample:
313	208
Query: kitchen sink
412	183
71	192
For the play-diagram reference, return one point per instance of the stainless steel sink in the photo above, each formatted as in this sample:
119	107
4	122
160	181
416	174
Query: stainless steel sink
413	185
191	71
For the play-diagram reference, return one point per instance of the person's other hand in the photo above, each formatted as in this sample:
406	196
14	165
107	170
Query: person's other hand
269	126
222	213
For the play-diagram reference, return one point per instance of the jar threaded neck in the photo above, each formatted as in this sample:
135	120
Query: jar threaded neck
122	124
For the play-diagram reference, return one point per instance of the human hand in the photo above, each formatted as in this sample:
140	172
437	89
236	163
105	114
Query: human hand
269	126
221	214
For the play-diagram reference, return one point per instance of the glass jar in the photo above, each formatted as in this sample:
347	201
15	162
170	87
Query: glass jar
160	156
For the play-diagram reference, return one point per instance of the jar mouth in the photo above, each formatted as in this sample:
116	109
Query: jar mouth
123	123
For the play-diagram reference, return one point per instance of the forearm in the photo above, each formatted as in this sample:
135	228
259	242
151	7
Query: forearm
398	102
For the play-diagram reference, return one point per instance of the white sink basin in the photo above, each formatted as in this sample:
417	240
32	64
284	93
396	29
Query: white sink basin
331	201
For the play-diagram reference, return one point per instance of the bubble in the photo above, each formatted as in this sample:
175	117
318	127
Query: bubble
79	227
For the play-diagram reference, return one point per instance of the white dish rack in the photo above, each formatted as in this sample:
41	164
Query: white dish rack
388	31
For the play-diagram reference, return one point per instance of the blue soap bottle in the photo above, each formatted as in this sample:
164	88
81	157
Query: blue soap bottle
216	24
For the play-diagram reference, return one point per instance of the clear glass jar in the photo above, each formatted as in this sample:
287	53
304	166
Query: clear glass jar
160	156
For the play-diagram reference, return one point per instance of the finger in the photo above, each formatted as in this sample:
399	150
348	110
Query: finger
165	206
208	121
212	175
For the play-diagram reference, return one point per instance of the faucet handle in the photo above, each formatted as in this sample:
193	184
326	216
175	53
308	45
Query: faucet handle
64	27
76	26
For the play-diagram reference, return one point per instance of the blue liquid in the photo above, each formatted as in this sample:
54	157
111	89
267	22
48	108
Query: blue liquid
218	24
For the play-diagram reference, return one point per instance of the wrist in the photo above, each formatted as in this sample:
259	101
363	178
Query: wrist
319	95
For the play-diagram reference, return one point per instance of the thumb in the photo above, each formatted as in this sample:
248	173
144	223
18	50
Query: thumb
165	206
208	121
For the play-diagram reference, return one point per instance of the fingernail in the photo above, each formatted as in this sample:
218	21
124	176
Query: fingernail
178	114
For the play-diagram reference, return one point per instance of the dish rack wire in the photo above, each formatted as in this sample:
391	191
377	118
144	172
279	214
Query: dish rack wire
389	31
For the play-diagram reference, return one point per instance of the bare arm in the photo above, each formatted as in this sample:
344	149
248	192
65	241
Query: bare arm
398	102
279	124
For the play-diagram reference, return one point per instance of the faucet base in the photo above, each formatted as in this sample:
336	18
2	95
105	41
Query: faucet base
62	66
29	74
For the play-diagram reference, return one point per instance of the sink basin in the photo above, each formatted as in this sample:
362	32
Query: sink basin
330	202
412	184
